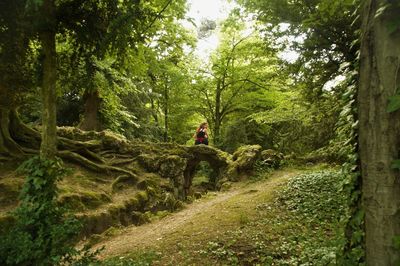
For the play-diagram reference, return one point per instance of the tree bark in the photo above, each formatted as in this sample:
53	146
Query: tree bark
91	119
217	119
49	96
166	114
379	141
7	143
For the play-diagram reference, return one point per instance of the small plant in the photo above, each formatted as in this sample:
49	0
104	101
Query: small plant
43	234
138	259
244	219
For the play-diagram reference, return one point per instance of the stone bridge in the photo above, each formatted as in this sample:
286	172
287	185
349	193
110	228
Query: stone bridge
178	163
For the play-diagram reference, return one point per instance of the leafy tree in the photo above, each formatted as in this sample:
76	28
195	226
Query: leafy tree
322	33
241	70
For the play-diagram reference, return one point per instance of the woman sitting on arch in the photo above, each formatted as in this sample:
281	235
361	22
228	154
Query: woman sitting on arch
201	136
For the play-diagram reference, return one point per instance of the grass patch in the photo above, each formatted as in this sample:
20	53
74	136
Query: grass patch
143	258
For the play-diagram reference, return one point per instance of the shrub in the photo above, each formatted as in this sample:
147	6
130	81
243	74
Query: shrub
43	233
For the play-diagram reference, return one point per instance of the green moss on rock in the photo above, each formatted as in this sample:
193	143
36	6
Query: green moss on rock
122	182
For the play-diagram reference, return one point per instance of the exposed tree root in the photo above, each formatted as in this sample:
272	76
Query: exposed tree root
70	144
122	161
7	143
17	140
92	165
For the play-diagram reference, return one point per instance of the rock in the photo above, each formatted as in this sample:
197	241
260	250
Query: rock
226	186
271	158
244	159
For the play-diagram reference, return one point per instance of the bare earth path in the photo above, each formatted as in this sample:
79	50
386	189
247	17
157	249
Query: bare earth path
199	222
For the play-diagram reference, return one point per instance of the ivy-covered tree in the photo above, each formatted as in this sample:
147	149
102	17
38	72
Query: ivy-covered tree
379	129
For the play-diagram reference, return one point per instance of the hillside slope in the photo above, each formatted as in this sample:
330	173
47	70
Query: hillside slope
249	224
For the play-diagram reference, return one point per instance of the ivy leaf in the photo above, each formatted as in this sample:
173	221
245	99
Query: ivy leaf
396	242
396	164
393	25
381	10
394	103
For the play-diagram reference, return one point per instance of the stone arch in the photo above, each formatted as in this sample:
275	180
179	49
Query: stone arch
218	160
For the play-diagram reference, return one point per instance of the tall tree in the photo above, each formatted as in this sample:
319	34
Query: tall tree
15	70
379	129
322	32
47	35
241	65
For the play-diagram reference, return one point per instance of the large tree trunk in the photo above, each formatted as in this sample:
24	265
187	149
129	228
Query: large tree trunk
49	96
379	139
91	119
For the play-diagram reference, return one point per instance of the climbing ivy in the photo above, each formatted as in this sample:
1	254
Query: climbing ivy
43	234
353	252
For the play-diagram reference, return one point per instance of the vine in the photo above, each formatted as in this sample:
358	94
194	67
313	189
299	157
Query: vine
353	252
43	234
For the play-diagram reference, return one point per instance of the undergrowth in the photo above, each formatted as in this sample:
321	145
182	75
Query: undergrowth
44	233
302	226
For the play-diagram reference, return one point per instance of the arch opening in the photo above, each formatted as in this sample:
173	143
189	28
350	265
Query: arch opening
200	175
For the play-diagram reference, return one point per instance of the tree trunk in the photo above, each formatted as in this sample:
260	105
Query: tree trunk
379	141
91	119
49	96
166	99
154	111
217	119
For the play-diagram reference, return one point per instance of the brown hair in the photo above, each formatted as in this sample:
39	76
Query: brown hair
202	125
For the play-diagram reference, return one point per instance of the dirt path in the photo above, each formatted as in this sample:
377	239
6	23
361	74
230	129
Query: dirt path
200	220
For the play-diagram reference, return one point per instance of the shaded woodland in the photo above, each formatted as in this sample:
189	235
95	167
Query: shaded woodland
116	90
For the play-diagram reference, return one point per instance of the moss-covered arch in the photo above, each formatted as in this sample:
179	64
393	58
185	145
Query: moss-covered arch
218	160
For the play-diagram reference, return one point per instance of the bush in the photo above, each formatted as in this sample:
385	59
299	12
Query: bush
43	233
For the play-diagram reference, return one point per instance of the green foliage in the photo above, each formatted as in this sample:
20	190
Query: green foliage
345	143
302	226
43	234
391	9
322	32
137	259
394	103
316	195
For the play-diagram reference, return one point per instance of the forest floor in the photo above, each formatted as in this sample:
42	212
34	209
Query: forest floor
251	223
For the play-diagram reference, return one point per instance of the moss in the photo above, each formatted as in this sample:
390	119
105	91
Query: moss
139	218
271	158
172	166
83	200
132	204
94	239
150	162
226	186
9	190
244	160
142	197
96	223
122	182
